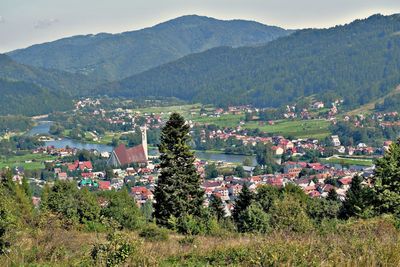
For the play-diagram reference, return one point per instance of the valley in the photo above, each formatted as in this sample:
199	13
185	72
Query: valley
202	142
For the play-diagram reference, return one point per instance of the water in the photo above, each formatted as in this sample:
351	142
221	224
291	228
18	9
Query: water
79	145
43	127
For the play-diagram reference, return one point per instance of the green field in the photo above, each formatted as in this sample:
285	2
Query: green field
222	121
185	110
21	161
318	129
349	161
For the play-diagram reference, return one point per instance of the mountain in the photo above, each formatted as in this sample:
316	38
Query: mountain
54	80
29	99
117	56
359	62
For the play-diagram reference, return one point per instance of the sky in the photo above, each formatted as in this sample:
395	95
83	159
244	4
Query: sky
27	22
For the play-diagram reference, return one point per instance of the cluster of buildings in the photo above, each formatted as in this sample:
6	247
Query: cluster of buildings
316	179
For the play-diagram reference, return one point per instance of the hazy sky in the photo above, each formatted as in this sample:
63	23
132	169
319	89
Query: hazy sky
26	22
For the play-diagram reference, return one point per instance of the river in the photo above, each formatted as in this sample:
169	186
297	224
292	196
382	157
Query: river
43	127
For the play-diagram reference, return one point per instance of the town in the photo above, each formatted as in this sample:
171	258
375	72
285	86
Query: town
317	166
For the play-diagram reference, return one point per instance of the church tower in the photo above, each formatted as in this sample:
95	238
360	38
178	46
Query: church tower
143	130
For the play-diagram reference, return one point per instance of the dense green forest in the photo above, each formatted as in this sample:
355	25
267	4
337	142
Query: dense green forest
29	99
358	62
14	123
117	56
390	103
54	80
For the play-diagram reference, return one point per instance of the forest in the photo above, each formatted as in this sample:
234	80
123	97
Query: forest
357	62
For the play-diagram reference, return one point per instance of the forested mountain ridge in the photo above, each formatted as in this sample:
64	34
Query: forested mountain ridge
359	62
29	99
117	56
54	80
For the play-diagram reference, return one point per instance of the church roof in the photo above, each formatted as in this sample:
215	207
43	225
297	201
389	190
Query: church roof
130	155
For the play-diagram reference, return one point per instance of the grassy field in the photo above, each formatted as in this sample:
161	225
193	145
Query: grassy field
348	161
318	129
374	242
28	161
185	110
222	121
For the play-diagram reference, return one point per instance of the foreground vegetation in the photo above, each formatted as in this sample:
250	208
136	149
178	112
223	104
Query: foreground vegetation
355	243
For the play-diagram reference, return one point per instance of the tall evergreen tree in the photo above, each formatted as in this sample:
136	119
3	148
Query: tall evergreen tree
243	201
332	195
387	181
217	207
178	189
358	199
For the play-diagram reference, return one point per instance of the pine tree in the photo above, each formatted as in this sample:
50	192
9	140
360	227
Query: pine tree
332	195
243	201
178	189
358	199
26	187
387	181
217	207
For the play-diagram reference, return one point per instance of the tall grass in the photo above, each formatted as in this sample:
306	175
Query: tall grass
373	242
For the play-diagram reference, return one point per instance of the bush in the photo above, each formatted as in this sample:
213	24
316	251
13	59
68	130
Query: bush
190	225
187	240
114	252
152	232
123	209
97	227
289	215
254	219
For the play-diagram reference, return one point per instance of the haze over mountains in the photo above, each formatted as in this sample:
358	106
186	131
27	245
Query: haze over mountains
117	56
359	62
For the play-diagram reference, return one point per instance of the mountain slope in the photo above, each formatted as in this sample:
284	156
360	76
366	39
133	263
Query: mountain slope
29	99
54	80
359	62
117	56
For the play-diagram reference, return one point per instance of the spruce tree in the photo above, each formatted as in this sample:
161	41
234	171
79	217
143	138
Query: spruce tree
243	201
387	181
178	191
332	195
358	199
217	207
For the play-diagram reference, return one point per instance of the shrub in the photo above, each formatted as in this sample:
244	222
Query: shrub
289	215
97	227
152	232
190	225
187	240
254	219
114	252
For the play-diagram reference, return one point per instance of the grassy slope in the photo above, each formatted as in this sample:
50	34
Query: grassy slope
301	129
349	161
356	243
370	107
20	161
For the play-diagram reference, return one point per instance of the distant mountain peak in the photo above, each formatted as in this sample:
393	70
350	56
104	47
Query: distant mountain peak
117	56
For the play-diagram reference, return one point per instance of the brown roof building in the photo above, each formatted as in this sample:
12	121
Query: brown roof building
122	156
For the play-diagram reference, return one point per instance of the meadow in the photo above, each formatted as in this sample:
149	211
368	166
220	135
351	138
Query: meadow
28	161
371	242
348	161
317	129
